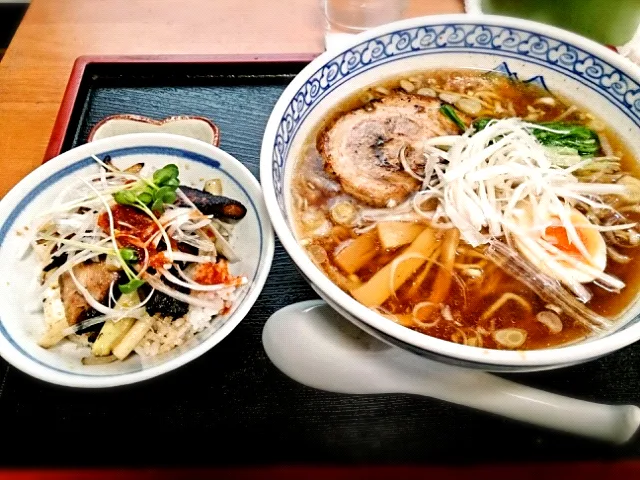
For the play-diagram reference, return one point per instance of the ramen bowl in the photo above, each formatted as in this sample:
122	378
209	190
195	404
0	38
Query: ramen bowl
573	67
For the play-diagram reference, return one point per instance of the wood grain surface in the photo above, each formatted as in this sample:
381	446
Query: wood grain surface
36	67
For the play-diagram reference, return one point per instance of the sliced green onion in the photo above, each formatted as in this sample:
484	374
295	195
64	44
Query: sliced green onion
131	286
128	254
75	243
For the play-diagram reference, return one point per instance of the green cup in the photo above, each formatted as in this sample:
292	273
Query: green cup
611	22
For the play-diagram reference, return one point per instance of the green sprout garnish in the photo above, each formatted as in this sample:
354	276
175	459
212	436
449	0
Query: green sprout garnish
152	194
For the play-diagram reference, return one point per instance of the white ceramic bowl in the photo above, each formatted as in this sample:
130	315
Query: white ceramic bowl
21	324
576	68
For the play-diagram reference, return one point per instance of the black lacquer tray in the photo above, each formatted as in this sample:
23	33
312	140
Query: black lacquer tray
232	406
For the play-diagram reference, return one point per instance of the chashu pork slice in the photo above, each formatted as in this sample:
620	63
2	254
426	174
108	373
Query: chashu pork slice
96	277
361	148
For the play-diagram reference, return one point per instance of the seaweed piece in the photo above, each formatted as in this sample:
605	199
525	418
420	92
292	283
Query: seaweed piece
164	304
92	330
56	262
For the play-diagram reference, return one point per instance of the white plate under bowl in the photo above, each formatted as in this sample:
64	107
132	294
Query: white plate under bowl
574	67
21	324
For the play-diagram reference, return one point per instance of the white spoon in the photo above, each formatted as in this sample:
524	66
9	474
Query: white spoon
311	343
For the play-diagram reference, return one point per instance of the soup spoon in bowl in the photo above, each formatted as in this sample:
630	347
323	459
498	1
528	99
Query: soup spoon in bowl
312	344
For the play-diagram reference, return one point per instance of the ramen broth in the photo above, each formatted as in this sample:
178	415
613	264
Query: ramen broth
482	299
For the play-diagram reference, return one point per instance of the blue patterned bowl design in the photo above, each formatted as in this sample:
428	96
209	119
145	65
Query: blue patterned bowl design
579	69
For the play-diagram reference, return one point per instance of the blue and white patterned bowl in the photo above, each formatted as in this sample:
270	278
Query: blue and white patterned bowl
572	66
21	318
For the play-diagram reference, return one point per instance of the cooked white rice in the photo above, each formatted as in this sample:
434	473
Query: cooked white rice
166	334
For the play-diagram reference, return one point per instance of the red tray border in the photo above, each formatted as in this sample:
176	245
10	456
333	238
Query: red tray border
80	65
620	470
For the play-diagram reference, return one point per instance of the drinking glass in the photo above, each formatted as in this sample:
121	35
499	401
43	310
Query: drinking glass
353	16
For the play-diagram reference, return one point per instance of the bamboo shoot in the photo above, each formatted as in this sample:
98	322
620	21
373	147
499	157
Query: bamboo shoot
396	234
357	253
133	337
378	288
113	331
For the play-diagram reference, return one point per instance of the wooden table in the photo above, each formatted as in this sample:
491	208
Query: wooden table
35	70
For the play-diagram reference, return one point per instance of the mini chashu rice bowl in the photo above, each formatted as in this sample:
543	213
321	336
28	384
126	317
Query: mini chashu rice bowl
22	322
176	259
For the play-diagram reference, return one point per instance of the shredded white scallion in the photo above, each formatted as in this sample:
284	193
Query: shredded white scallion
493	173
